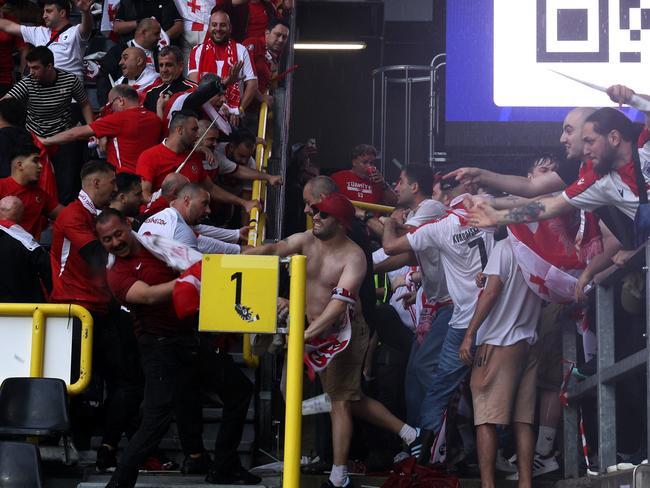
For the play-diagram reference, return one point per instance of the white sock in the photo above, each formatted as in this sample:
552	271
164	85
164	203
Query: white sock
339	475
545	440
408	434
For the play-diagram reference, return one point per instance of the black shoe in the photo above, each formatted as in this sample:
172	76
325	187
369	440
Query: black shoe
106	460
329	484
199	465
420	448
240	476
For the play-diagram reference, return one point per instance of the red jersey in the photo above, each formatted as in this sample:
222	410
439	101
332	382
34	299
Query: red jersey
358	189
73	280
129	132
158	161
8	44
261	60
258	19
159	319
36	201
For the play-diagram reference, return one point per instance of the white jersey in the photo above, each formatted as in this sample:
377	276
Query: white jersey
433	274
169	223
144	81
516	312
68	49
463	252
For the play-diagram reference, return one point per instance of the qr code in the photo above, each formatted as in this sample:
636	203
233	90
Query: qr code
585	31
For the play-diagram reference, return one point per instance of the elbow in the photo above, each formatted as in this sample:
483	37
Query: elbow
390	249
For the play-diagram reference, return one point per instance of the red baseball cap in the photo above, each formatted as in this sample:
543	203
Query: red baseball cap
339	207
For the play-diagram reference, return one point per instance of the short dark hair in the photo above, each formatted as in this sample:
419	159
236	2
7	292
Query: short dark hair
13	112
363	149
23	149
96	166
243	136
422	175
126	91
107	214
541	159
180	116
174	51
275	21
608	119
60	4
125	182
41	54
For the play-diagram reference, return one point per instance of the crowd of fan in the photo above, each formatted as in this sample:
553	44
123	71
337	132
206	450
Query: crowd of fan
460	331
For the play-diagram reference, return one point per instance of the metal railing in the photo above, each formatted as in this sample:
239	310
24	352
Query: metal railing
609	371
39	313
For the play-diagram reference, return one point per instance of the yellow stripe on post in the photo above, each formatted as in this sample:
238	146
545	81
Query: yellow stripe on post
293	414
86	360
38	344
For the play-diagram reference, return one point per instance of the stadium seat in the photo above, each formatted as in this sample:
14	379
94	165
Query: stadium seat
33	407
20	465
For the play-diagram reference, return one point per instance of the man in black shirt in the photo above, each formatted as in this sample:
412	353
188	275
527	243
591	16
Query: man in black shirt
131	12
12	132
170	67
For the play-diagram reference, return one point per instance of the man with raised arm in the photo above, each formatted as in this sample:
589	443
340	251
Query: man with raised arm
336	267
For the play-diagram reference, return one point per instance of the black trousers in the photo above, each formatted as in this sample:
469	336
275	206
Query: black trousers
221	375
67	164
171	371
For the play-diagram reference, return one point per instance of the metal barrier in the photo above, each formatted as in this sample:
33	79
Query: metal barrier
609	372
39	312
373	207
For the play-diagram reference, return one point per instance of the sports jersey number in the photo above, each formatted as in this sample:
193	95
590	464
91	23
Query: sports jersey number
237	276
481	249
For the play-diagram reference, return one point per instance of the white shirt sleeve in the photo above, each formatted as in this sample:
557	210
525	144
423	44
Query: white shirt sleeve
247	70
208	245
500	261
33	35
184	234
425	237
226	235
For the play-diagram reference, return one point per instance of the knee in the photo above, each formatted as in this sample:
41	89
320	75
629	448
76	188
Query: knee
341	407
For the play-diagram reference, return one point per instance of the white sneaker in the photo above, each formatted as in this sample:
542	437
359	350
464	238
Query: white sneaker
504	465
541	466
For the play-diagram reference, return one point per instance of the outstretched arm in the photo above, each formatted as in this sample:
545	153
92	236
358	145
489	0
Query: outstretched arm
516	185
483	215
391	241
70	135
10	27
622	94
286	247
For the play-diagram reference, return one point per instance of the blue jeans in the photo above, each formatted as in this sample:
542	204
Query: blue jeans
449	375
422	364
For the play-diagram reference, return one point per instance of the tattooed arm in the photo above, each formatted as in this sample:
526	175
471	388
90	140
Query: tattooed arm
483	215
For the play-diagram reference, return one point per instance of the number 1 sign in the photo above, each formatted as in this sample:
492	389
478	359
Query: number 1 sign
239	293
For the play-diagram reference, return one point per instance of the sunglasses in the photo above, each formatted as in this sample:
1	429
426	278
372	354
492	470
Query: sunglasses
323	215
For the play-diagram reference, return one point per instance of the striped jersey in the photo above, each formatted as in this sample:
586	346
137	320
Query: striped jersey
48	106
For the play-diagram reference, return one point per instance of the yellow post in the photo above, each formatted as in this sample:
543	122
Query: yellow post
373	207
86	359
293	414
38	344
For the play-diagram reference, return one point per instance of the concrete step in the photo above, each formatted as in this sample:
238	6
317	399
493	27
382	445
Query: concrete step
171	481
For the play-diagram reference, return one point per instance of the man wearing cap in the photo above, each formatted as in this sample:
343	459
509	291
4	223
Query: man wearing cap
333	260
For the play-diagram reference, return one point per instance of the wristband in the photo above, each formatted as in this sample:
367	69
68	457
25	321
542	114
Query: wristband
366	216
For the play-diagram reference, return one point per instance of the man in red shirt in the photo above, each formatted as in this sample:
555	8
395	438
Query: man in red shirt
9	44
169	350
25	171
363	182
79	277
130	129
157	162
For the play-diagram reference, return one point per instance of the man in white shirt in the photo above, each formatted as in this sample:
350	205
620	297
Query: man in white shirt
463	253
66	41
135	69
504	378
179	220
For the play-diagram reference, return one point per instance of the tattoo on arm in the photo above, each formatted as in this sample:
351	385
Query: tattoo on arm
530	212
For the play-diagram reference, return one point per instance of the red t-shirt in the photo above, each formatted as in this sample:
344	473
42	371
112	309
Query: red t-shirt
8	44
256	47
73	280
159	319
130	132
36	201
258	20
158	161
358	189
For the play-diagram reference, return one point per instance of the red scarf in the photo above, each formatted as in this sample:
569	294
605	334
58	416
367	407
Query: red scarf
211	53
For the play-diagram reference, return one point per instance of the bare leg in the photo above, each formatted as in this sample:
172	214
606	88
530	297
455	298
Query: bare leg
374	412
525	450
341	416
487	444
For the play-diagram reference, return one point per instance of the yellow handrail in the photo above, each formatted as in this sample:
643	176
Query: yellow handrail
373	207
293	411
39	312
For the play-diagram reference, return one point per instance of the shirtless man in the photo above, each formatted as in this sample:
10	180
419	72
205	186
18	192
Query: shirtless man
335	269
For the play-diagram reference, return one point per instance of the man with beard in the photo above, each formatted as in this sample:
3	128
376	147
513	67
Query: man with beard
333	260
135	70
170	66
609	179
128	197
218	54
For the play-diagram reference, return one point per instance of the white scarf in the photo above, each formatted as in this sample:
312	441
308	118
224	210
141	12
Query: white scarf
88	204
21	235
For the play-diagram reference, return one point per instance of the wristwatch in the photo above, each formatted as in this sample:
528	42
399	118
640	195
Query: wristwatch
366	216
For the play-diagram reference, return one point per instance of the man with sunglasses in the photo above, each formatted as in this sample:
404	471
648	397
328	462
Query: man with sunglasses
333	260
130	129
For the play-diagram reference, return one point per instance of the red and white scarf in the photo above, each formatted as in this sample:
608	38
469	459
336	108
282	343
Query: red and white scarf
219	59
88	204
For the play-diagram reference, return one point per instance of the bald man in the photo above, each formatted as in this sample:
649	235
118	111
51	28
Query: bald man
23	261
135	70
